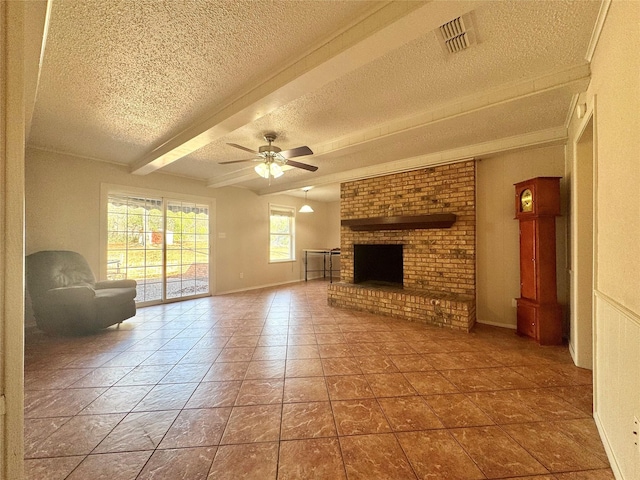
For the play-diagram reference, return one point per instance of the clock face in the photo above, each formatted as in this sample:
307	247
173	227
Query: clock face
526	201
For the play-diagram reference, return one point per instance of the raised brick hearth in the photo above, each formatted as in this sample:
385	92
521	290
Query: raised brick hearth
439	263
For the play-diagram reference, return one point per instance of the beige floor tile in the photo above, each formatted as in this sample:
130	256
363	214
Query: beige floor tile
374	456
260	392
430	383
235	354
59	403
357	417
304	367
503	407
313	458
138	431
54	468
79	436
226	371
200	427
258	423
497	454
36	430
340	366
411	363
265	369
305	389
389	385
307	420
435	454
409	413
348	387
117	400
553	449
111	466
250	461
457	410
376	364
170	396
214	394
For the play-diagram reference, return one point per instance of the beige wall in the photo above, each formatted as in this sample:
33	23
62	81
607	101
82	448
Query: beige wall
613	98
498	248
63	212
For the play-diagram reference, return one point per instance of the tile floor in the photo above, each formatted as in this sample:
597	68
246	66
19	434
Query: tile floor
276	384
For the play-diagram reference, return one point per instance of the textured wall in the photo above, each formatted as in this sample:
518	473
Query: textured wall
436	260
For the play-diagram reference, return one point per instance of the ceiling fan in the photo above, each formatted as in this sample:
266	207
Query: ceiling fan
272	159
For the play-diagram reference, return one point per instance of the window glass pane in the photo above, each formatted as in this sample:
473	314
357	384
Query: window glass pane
280	247
280	224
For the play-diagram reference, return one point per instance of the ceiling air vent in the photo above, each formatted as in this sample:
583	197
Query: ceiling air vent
457	35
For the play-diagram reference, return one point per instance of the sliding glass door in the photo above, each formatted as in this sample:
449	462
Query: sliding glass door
161	243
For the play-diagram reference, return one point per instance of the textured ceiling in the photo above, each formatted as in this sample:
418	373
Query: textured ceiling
361	83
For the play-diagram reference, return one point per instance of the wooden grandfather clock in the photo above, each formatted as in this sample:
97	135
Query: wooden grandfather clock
537	204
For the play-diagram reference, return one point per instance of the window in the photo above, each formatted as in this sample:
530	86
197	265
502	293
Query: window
281	233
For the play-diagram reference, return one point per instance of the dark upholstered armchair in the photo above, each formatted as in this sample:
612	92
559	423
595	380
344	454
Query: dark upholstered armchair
67	299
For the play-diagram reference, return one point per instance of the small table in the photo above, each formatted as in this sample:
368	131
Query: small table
325	253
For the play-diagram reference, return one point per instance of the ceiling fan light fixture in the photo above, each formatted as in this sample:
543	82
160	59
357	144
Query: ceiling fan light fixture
268	169
262	169
276	170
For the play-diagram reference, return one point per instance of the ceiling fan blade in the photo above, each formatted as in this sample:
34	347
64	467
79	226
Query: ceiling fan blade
304	166
242	148
239	161
296	152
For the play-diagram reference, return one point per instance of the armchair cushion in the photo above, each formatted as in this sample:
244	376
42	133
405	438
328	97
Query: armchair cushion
67	299
115	284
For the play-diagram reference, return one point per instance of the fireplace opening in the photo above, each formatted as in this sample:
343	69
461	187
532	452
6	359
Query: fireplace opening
378	265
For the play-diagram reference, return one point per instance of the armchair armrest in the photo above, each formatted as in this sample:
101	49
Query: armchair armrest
116	284
69	295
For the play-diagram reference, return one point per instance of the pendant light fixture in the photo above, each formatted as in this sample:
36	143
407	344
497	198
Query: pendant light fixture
306	208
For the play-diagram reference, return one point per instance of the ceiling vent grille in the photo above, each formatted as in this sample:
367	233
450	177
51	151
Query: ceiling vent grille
457	35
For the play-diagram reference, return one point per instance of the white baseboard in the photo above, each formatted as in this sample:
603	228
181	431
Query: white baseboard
607	448
572	352
268	285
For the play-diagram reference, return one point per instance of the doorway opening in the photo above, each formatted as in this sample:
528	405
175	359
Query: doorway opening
583	254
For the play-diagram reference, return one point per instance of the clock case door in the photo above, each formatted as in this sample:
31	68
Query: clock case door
539	314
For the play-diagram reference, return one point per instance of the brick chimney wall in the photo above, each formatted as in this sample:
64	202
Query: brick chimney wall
435	260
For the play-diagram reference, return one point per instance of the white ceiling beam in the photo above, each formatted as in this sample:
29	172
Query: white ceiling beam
552	136
574	79
385	30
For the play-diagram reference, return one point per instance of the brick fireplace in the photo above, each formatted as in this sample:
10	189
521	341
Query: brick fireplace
438	261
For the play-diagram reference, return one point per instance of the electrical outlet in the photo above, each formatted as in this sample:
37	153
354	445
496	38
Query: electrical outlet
514	302
241	275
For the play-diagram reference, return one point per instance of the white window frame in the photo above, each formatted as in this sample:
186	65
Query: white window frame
291	211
